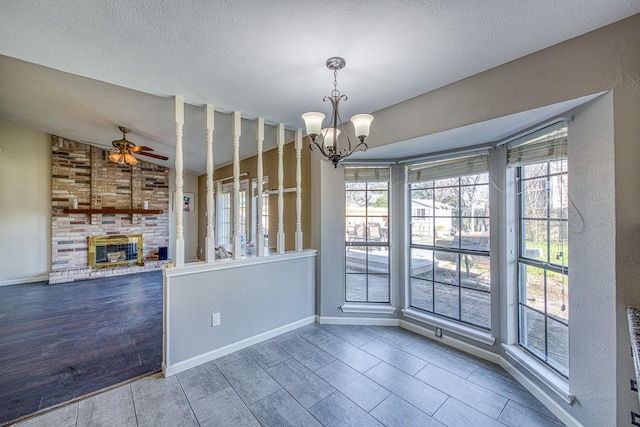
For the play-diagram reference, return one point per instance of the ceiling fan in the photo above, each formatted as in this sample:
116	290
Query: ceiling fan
127	148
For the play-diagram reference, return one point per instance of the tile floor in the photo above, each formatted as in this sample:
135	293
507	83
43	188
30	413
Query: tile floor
320	375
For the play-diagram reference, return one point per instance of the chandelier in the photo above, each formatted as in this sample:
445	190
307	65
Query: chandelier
326	139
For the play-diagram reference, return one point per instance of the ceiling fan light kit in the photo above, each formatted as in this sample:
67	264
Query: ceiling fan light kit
328	141
125	148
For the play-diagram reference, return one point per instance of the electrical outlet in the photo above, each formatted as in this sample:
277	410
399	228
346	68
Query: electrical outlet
439	332
215	319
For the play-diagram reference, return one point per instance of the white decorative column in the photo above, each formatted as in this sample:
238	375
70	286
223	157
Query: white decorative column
210	243
280	142
217	191
178	202
260	232
298	142
237	131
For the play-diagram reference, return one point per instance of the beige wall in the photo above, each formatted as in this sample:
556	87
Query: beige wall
25	204
270	170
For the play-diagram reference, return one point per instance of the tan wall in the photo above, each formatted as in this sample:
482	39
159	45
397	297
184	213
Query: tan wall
270	169
190	220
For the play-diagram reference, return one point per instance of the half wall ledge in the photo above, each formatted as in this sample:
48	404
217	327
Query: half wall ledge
226	263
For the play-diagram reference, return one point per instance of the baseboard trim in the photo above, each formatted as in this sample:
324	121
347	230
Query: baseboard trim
169	370
25	280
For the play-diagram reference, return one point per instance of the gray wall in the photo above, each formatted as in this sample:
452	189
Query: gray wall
327	235
253	297
604	153
592	273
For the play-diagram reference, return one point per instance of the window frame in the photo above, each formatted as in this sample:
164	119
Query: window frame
458	251
522	260
368	178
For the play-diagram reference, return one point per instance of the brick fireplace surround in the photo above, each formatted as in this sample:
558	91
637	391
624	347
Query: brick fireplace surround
84	172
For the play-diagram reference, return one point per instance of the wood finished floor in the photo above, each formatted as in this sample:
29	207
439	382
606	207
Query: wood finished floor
59	342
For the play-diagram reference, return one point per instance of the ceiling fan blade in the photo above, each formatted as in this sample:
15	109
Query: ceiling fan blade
139	148
155	156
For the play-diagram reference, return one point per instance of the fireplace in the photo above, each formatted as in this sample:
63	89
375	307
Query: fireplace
115	251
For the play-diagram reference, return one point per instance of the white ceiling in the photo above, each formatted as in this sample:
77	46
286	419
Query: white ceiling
80	68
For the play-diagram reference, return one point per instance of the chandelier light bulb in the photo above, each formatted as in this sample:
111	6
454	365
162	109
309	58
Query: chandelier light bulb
329	138
361	124
313	123
130	159
115	157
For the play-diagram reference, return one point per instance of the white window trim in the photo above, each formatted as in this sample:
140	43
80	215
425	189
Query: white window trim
449	325
368	308
554	381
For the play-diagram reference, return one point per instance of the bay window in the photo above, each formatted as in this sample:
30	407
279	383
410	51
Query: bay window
543	258
366	234
449	240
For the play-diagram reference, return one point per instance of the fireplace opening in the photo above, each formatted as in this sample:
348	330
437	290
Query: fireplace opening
115	251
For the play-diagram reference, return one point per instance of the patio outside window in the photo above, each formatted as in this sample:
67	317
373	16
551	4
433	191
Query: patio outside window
366	235
450	274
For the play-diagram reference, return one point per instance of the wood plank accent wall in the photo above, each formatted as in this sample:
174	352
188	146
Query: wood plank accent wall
84	172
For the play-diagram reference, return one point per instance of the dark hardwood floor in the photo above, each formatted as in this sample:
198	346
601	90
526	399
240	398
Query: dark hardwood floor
59	342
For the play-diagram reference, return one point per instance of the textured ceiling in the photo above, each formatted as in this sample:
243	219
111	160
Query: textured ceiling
105	63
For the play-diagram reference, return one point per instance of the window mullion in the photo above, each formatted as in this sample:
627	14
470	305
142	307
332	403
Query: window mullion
459	263
546	272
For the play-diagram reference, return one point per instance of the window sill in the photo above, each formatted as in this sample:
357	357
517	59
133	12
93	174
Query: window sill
367	308
451	326
558	384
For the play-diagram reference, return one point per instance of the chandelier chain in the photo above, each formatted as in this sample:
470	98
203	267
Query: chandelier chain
335	92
